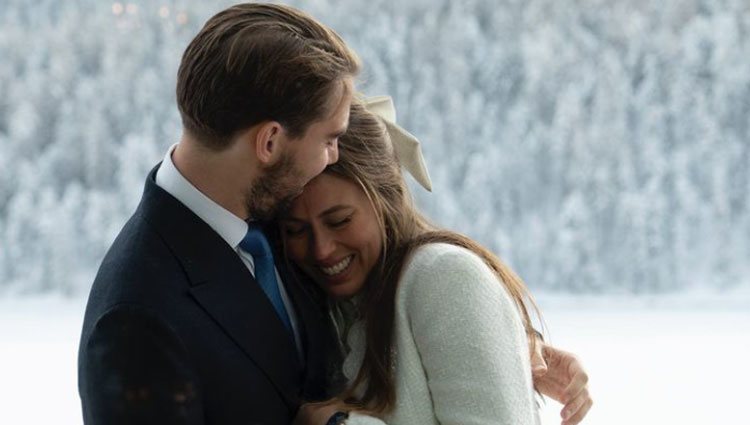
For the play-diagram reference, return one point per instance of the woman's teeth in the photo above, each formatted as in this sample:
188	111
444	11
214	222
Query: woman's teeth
337	268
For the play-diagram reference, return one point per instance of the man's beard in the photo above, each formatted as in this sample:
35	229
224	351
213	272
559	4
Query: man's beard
274	191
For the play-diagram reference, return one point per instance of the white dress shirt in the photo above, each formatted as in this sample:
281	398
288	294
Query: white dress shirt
227	225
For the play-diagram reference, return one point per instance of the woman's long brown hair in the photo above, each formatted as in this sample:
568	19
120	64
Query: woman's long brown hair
366	158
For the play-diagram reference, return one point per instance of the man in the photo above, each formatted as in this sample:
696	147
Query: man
186	323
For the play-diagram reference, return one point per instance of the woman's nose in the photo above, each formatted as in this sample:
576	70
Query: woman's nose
324	246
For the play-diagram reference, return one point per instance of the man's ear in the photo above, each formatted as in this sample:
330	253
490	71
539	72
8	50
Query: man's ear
268	141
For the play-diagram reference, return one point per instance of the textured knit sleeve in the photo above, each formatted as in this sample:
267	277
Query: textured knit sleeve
470	339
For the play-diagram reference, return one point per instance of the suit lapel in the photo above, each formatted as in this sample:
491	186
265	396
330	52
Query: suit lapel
241	308
225	289
303	307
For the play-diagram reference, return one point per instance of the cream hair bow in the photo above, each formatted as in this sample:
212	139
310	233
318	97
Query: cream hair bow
405	145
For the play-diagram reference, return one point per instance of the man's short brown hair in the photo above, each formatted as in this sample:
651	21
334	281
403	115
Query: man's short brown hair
256	62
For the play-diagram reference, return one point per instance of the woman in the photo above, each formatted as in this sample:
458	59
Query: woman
434	325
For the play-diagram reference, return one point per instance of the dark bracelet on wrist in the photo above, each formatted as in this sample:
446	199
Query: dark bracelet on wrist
338	418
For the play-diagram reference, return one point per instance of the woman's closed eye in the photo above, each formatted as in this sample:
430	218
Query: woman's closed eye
340	222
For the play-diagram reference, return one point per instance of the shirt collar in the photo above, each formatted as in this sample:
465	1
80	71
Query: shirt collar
230	227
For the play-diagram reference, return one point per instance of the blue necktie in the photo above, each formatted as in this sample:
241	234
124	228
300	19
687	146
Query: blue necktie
256	244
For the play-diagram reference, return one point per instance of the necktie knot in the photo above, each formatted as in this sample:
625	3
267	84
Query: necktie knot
255	242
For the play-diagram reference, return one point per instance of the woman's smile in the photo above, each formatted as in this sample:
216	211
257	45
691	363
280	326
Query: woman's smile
338	268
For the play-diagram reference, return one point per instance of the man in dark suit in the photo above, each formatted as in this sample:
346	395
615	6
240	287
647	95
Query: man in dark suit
177	329
187	323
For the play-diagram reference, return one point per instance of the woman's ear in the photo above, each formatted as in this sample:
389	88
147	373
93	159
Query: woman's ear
268	142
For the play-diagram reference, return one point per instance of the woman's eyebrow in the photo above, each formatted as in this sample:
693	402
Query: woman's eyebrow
334	209
331	210
290	218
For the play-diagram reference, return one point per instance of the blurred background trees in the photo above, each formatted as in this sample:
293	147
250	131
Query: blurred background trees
597	146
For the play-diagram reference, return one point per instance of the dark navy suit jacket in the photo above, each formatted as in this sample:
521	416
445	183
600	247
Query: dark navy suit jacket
178	332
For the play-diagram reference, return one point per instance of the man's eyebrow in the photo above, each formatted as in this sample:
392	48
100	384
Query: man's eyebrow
338	133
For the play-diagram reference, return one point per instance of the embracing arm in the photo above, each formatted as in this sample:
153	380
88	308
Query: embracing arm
134	369
562	377
471	341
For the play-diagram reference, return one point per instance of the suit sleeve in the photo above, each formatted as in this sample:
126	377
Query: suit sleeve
471	341
133	369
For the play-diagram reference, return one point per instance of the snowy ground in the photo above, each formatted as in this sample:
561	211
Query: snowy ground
663	364
650	362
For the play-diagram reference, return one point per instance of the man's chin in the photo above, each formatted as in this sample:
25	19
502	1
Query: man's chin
285	203
296	194
272	210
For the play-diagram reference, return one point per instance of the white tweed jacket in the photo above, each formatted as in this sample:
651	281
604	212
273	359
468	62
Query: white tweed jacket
461	352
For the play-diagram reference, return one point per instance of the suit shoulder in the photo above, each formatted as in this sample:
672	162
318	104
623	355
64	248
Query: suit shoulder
138	269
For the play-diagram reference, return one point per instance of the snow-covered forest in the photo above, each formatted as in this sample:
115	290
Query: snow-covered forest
599	146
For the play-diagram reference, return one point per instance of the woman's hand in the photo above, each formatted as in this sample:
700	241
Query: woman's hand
318	413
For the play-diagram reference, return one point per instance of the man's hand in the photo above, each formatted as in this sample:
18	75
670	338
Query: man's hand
560	376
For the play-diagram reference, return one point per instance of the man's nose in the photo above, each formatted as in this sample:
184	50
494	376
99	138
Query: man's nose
333	154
